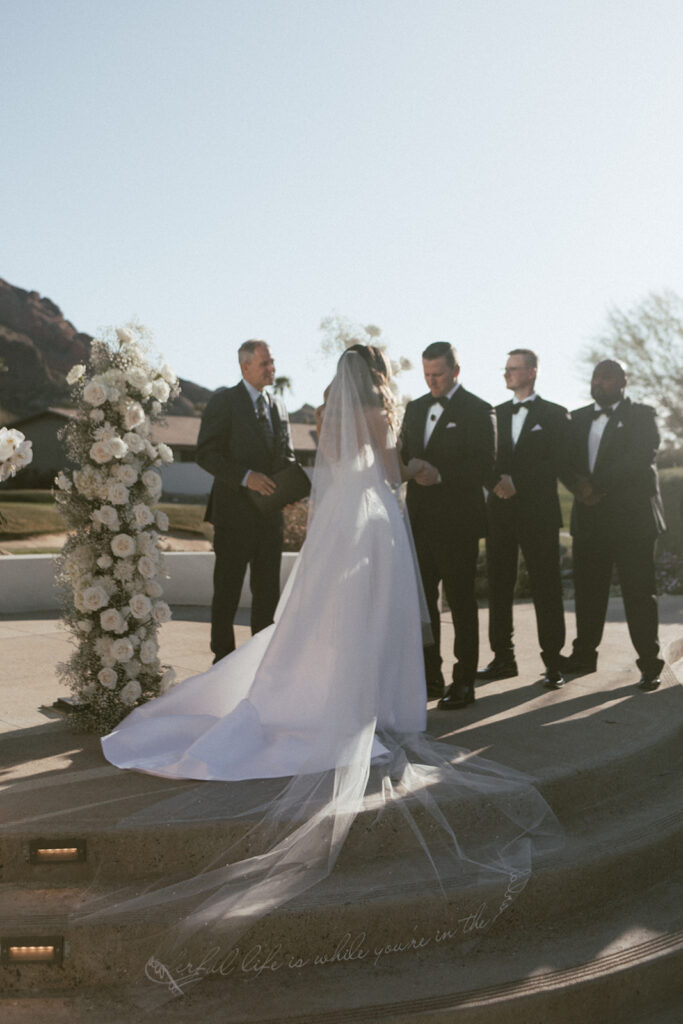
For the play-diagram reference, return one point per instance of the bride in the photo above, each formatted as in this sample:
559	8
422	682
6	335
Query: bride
330	696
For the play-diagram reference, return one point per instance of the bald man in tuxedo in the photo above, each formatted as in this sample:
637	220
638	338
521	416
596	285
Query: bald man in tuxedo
616	519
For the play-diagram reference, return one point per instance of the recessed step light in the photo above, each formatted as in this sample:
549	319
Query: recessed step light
32	949
56	851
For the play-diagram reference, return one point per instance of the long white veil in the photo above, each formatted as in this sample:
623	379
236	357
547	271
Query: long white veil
330	699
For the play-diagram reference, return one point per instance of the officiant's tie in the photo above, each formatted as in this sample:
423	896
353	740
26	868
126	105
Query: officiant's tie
264	422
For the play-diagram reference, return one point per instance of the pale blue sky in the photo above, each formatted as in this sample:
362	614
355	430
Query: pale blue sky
492	172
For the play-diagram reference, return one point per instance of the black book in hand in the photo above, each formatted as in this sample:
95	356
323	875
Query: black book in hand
291	484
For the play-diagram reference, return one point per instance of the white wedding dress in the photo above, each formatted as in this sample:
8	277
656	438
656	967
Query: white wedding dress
334	686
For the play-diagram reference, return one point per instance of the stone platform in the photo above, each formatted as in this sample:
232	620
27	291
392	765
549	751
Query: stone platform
597	935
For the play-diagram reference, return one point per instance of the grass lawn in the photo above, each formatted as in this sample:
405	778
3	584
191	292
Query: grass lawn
25	514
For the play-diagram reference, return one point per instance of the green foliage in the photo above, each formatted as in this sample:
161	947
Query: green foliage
648	340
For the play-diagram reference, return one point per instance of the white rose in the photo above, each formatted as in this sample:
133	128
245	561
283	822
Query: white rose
147	543
62	481
96	415
117	493
125	335
130	692
134	415
94	393
94	598
75	373
105	562
108	516
161	613
127	474
112	621
153	589
167	680
99	452
108	677
132	668
117	447
152	481
165	453
123	545
168	375
147	567
135	443
143	514
84	625
140	606
122	649
160	389
148	651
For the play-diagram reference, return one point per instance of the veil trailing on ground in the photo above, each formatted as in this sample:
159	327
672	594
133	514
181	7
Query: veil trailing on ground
330	699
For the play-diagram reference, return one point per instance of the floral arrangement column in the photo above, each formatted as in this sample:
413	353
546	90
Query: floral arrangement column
110	566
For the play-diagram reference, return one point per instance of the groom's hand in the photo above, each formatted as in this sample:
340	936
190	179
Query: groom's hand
260	482
427	475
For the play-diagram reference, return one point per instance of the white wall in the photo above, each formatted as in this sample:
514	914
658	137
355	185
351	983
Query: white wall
27	581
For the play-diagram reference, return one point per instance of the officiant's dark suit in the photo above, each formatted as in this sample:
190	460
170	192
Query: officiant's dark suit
242	451
616	518
449	516
529	519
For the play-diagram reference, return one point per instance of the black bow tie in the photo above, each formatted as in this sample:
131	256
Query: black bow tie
443	401
603	412
516	406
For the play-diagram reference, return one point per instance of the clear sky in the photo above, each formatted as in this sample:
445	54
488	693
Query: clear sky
492	172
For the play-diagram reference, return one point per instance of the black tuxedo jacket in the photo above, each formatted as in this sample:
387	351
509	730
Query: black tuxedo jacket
231	442
463	448
624	471
540	457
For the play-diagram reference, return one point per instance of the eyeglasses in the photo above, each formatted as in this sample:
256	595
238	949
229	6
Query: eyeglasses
513	369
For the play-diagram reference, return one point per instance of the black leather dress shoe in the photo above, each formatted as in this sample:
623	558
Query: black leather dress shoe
435	689
457	698
499	668
553	679
649	684
579	664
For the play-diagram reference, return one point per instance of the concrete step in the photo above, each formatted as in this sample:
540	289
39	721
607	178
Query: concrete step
620	962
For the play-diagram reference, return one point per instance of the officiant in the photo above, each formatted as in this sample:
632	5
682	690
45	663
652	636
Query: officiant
244	440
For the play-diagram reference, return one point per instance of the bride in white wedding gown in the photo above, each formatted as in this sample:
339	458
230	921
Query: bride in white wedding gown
334	686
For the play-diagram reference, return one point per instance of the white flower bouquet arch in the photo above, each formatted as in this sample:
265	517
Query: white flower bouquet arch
110	567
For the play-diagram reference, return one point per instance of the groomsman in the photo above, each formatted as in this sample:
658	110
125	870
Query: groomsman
244	438
455	433
524	513
616	518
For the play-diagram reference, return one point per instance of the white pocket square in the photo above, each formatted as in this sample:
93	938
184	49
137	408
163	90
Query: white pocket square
619	425
537	427
449	425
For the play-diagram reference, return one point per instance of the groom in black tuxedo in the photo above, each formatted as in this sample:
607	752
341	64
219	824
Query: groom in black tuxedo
244	438
455	433
524	512
616	518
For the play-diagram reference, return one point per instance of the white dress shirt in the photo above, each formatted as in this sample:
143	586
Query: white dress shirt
518	418
595	434
434	414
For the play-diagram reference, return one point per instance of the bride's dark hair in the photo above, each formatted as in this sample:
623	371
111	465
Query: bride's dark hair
378	391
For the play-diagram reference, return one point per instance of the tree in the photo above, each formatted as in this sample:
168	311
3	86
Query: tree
282	384
648	340
339	333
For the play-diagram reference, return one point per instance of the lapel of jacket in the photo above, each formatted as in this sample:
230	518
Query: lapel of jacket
582	419
504	430
609	436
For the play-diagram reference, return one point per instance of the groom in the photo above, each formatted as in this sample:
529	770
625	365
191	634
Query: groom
244	438
455	432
